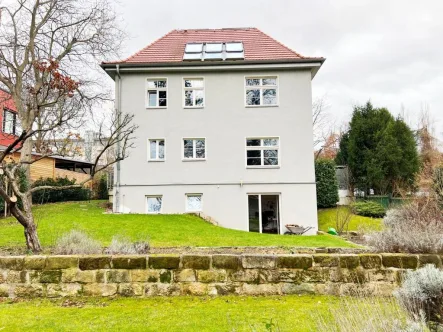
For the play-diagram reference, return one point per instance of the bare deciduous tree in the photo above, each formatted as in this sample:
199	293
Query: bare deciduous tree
49	51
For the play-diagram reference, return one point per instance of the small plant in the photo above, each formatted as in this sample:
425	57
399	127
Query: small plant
369	209
123	245
422	294
416	227
368	314
342	218
77	243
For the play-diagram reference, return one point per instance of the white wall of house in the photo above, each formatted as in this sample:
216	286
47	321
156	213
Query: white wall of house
225	123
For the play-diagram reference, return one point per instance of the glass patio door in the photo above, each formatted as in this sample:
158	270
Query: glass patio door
264	213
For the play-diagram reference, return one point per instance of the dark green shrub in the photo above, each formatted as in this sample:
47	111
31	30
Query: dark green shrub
327	186
102	189
59	195
369	209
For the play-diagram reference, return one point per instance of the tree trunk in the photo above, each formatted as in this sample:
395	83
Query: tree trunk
27	221
32	240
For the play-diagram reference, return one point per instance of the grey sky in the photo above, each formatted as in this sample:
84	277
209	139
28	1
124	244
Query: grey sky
388	51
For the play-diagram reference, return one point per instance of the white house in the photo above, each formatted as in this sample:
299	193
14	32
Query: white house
225	128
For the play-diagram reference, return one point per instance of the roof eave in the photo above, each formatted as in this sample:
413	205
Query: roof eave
316	62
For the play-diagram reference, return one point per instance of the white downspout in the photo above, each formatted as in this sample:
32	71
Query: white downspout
118	113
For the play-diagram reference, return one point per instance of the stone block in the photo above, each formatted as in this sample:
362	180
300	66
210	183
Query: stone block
349	261
263	289
194	288
250	276
100	289
50	276
11	263
300	289
145	275
227	262
100	276
4	290
400	261
16	277
429	259
129	262
31	291
3	276
164	262
63	290
325	260
186	275
357	275
34	262
197	262
268	276
82	277
157	289
61	262
224	289
117	276
295	262
258	262
383	275
313	276
208	276
370	261
94	262
134	289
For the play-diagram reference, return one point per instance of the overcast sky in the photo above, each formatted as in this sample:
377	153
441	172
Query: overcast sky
390	52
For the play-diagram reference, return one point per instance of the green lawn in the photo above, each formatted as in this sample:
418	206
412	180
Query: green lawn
162	230
288	313
327	217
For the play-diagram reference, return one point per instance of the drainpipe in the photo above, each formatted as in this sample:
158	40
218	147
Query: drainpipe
118	113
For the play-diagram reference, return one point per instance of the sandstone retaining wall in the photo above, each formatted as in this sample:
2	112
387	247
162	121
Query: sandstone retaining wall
335	274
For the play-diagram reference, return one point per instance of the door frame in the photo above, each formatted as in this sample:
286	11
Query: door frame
260	209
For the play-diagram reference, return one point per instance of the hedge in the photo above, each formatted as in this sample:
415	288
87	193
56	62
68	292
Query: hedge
59	195
327	185
369	209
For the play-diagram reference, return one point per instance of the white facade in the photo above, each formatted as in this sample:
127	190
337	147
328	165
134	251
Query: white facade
225	122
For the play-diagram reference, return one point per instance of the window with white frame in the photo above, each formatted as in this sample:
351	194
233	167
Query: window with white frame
157	149
154	204
10	123
156	93
262	152
261	91
194	92
194	148
193	202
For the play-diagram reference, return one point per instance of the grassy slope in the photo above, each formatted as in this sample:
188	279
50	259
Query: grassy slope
289	313
326	219
162	230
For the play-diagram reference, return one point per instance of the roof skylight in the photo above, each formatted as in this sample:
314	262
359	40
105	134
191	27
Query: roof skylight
214	51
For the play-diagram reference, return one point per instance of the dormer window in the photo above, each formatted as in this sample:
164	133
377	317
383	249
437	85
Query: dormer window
214	51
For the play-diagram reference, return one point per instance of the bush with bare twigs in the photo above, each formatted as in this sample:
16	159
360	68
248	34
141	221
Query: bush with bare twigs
421	294
77	243
416	227
123	245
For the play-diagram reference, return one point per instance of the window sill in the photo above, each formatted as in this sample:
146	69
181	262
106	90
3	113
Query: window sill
263	167
156	107
192	159
260	106
156	160
193	107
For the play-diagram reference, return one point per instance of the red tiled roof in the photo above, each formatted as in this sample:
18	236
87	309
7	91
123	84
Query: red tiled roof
258	46
6	101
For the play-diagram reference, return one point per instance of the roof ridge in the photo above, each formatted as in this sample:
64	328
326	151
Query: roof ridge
144	48
217	29
288	48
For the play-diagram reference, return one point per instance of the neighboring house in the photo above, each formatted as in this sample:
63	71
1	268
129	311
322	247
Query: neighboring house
46	167
9	123
225	128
